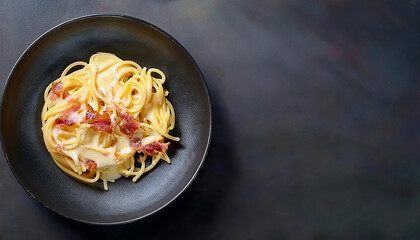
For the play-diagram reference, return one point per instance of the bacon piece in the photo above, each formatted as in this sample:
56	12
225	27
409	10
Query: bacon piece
57	91
99	122
149	149
53	97
91	165
103	124
66	95
130	125
69	116
91	115
135	143
57	88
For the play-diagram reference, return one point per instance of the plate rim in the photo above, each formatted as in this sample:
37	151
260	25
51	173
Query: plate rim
139	21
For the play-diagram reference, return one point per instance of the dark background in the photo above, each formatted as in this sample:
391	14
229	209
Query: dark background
316	109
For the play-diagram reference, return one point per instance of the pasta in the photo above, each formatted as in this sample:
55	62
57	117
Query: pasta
106	119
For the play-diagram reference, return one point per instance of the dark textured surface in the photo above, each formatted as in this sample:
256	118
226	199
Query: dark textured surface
316	111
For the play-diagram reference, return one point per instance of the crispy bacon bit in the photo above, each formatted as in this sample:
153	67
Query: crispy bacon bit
135	143
90	165
91	115
57	91
57	88
149	149
68	117
53	97
99	122
130	125
66	95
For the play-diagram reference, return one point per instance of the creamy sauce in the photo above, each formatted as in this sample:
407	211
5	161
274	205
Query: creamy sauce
155	136
123	146
111	173
148	111
89	148
108	78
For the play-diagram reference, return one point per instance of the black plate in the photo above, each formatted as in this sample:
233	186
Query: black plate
43	62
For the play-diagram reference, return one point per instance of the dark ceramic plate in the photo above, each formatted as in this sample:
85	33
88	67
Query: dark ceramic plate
44	60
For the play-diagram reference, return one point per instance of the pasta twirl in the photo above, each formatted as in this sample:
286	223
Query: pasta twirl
103	117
